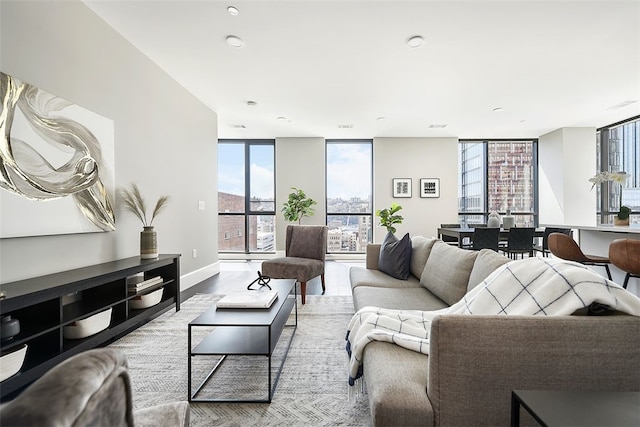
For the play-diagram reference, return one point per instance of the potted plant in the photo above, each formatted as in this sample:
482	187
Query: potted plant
389	217
135	203
298	206
622	218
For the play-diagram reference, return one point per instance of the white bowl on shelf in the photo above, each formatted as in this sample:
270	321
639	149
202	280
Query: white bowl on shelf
89	326
11	362
146	300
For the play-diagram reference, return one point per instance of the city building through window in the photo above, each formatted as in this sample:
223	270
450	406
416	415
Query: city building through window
497	176
349	188
246	224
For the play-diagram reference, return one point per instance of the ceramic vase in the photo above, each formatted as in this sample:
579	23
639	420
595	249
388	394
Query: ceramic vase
9	327
148	243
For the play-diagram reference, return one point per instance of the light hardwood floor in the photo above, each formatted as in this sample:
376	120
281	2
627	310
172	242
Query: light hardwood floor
236	275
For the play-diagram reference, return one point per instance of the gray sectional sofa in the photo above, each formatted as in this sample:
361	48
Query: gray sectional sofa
476	361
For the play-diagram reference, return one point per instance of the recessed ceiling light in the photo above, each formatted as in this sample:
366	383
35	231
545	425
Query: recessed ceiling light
622	104
237	126
235	41
437	126
415	41
381	119
233	11
497	109
282	119
252	104
345	126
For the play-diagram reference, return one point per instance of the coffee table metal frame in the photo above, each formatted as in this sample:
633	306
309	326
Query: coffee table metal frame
245	332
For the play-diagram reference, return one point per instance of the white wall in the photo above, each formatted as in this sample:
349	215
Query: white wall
165	139
416	158
567	159
300	163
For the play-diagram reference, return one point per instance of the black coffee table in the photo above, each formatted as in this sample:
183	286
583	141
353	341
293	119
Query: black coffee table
577	408
245	332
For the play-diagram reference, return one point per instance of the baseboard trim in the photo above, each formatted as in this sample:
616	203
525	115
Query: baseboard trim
197	276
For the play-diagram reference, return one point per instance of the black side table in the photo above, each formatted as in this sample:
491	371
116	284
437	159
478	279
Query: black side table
577	408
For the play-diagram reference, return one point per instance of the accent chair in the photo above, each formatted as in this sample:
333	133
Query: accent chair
305	252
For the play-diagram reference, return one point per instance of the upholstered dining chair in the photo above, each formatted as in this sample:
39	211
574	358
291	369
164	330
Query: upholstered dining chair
305	251
625	254
91	388
565	247
543	248
485	238
519	242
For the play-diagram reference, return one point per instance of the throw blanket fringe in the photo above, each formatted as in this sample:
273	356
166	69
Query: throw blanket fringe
530	287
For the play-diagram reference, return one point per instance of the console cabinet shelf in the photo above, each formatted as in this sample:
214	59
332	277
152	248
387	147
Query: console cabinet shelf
45	305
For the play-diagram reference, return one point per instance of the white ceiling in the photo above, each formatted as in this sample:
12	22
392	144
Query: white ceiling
324	64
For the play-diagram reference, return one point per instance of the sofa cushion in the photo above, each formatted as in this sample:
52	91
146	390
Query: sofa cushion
486	263
396	299
395	256
447	272
420	250
359	276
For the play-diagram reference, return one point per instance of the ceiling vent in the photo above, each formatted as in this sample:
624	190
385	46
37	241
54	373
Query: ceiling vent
622	104
345	126
237	126
437	126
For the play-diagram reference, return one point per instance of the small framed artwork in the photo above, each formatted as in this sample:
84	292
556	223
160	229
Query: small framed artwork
401	187
429	187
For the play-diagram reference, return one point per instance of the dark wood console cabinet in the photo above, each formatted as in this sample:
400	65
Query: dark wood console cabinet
45	304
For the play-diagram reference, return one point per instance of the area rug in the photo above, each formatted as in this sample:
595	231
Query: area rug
312	390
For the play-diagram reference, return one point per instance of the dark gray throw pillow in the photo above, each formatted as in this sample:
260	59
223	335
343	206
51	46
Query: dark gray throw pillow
395	256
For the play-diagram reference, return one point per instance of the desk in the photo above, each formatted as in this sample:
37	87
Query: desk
461	233
577	408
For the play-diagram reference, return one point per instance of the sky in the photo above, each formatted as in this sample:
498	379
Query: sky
348	170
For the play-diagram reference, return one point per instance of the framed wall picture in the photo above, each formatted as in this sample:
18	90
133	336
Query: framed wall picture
429	187
401	187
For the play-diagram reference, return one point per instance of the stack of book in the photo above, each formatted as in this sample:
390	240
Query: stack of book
136	284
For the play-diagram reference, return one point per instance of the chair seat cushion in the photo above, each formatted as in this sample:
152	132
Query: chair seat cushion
301	269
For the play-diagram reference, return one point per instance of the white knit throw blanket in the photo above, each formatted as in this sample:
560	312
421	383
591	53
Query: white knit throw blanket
533	286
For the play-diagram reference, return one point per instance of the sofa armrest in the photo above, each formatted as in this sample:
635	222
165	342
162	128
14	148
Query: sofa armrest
476	361
373	253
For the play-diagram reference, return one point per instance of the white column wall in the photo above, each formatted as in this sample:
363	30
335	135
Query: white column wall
300	163
567	159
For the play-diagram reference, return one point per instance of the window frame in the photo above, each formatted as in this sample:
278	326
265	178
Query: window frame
354	214
486	187
248	143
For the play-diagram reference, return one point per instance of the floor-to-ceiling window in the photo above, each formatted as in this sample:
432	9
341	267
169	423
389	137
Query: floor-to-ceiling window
349	189
246	224
497	176
619	151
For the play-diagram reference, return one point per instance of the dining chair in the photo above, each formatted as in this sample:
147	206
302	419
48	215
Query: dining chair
305	252
543	248
625	254
565	247
448	239
485	238
520	241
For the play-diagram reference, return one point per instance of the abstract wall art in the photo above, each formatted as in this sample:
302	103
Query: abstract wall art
56	164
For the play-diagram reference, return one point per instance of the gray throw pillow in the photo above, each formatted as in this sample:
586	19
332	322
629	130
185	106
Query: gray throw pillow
446	273
395	256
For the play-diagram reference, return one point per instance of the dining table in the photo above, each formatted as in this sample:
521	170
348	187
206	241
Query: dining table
462	233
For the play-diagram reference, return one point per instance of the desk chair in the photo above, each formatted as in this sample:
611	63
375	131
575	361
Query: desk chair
565	247
520	241
305	251
625	254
